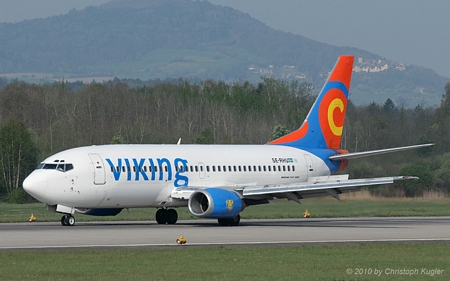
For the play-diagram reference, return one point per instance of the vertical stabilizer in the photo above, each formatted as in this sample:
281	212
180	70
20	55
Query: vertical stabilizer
324	123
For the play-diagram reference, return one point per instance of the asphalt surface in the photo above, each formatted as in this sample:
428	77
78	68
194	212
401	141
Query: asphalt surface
148	234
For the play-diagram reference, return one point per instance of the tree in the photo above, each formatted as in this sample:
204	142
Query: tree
18	154
279	131
206	137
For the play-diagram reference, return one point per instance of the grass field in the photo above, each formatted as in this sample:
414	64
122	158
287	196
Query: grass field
345	262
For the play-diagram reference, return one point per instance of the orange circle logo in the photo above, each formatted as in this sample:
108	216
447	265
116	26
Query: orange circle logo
331	117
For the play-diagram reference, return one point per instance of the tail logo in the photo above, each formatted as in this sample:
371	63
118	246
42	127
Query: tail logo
331	116
335	104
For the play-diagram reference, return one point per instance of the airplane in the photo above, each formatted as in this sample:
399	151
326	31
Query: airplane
213	181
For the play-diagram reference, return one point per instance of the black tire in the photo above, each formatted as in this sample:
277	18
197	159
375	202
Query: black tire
223	222
234	221
161	216
172	216
63	220
230	221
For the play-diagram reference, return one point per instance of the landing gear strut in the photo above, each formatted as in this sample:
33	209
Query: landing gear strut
68	220
169	216
230	222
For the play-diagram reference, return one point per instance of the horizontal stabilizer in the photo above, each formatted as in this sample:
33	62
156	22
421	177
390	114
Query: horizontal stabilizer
354	155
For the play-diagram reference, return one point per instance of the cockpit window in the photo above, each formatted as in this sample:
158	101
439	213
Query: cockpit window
50	166
62	167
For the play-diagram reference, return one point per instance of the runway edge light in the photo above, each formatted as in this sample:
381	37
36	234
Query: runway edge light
181	240
32	218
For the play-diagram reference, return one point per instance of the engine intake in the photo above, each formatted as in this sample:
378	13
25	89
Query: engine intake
215	203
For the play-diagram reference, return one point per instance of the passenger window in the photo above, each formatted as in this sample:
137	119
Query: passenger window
218	168
234	168
192	169
165	168
264	168
245	168
207	169
293	168
284	168
289	168
259	168
279	168
239	167
196	168
268	167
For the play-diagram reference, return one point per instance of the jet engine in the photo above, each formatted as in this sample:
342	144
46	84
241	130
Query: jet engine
215	203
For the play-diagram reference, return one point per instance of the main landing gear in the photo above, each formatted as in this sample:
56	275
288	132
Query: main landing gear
230	222
68	220
169	216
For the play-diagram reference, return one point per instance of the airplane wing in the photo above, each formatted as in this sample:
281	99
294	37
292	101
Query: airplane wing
314	187
317	186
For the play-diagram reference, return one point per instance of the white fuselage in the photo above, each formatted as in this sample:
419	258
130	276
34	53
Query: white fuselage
127	176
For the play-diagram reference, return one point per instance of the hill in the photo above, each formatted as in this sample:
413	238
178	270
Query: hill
150	39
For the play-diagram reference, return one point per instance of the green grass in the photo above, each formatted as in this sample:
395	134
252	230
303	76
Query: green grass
345	262
276	209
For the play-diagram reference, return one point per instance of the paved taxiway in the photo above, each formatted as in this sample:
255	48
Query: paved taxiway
26	236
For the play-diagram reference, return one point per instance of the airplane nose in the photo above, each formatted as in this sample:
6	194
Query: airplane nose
35	185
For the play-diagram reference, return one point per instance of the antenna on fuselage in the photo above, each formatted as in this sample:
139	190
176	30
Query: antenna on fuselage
179	141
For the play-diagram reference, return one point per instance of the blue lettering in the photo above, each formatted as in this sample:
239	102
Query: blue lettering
115	171
161	161
140	168
178	176
163	164
127	163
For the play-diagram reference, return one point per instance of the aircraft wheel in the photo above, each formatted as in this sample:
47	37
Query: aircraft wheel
223	222
230	222
70	220
172	216
63	220
234	221
161	216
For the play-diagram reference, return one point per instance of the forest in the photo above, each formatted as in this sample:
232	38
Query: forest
38	120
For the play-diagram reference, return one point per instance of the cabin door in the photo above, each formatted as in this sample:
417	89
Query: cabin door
99	169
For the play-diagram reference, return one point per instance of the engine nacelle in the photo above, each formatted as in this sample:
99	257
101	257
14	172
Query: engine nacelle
215	203
99	212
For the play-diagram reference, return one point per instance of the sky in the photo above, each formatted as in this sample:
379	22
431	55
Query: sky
411	31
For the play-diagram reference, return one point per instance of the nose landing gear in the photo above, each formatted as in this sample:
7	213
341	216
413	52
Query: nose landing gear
68	220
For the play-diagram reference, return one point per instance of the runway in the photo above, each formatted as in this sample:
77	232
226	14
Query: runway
143	234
